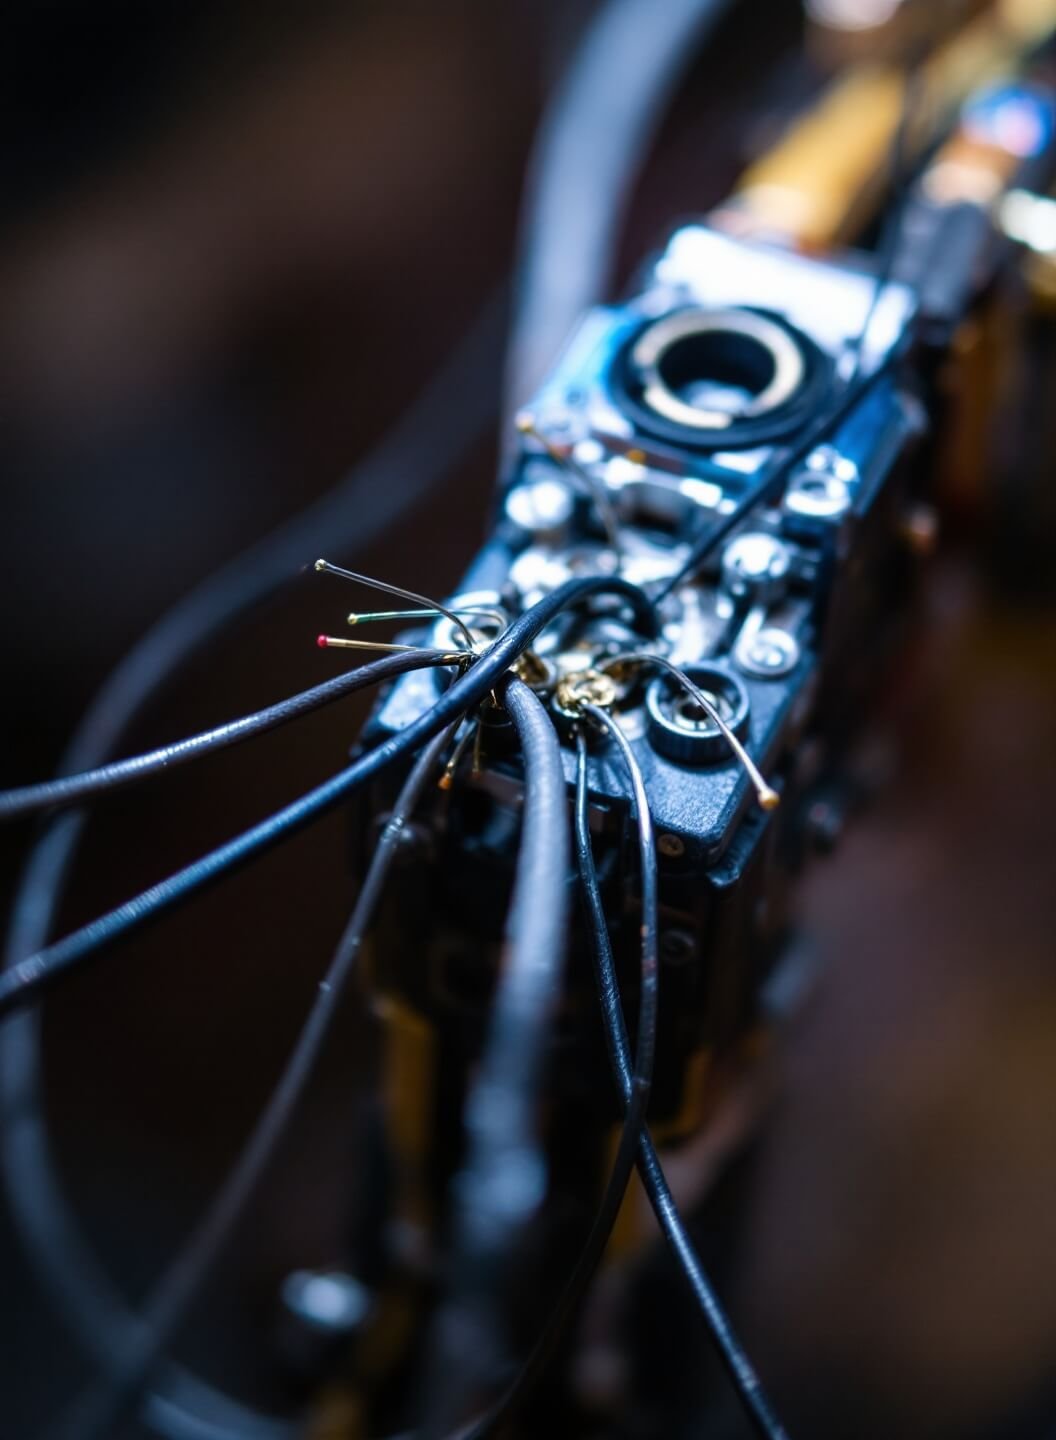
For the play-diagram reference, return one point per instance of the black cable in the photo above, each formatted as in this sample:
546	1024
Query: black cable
736	1362
451	413
641	1083
590	148
901	168
645	1052
56	794
774	473
586	1266
503	1179
734	1359
22	983
855	385
448	413
112	1397
436	432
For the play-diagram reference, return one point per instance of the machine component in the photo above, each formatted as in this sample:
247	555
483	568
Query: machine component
756	566
661	428
821	493
767	654
590	687
681	730
725	378
673	404
821	185
541	509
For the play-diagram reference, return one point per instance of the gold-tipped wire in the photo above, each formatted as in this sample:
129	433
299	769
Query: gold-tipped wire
325	567
767	796
526	423
471	736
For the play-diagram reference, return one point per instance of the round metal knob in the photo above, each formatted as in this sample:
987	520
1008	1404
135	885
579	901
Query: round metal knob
756	566
680	730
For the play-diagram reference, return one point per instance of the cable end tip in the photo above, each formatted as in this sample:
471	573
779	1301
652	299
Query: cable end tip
525	422
320	565
769	800
323	641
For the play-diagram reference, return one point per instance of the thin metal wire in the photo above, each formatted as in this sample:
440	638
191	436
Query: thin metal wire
857	385
71	789
735	1361
375	617
595	488
470	737
338	642
113	1396
768	797
21	984
901	167
325	567
774	473
433	435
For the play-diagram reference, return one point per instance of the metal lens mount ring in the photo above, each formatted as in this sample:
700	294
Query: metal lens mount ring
681	731
719	378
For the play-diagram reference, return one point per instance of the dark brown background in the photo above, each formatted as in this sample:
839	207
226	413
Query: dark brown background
236	238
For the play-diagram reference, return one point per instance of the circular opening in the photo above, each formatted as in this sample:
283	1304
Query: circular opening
682	728
717	370
716	378
686	711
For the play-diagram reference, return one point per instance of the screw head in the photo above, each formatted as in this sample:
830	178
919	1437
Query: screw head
671	847
828	460
815	495
756	564
770	655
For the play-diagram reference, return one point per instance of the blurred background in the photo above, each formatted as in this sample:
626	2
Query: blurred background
236	240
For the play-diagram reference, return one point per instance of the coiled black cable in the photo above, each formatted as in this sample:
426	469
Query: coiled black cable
503	1179
23	982
452	413
641	1085
106	1403
87	784
739	1368
435	433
